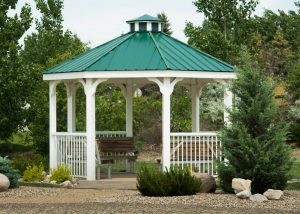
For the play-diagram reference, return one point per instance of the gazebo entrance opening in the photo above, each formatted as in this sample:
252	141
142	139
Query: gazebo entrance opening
131	61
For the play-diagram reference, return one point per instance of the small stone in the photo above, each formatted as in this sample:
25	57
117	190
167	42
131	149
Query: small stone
66	184
48	176
273	194
258	198
20	180
239	185
4	183
44	173
244	194
53	182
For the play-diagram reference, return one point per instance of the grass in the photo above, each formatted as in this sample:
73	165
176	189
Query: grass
295	171
293	186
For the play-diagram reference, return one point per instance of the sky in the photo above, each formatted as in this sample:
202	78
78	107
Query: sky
98	21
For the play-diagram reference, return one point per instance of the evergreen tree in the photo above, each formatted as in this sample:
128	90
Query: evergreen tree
254	140
166	23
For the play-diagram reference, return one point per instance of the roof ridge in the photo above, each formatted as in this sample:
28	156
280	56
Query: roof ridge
160	51
202	52
130	35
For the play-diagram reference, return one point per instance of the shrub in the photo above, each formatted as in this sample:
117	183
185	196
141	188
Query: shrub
173	182
6	169
254	142
34	173
20	161
61	173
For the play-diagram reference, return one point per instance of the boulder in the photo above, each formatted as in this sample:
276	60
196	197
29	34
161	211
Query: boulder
4	183
208	182
239	185
273	194
66	184
258	198
244	194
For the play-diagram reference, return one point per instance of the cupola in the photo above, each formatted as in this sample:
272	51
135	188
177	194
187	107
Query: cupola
145	23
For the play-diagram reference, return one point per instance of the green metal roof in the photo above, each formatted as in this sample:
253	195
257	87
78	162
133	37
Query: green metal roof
145	17
137	51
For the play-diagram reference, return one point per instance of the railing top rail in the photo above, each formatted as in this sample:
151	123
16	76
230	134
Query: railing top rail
193	134
110	132
69	134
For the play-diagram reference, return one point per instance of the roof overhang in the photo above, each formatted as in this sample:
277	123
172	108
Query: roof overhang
140	74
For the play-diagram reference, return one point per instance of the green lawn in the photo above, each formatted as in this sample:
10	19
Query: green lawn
295	171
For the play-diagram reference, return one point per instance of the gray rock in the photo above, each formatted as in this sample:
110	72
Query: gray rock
258	198
244	194
44	173
66	184
239	185
4	183
273	194
208	182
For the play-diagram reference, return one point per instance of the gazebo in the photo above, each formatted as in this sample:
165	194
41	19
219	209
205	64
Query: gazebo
143	55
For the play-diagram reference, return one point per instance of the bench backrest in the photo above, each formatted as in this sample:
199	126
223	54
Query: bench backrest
116	145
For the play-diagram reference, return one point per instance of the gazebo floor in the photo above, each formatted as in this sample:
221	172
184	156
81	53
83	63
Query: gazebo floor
119	180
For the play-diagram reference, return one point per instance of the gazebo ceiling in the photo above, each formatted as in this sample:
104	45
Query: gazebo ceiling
142	50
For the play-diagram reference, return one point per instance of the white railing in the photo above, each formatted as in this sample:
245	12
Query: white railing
199	151
110	134
71	150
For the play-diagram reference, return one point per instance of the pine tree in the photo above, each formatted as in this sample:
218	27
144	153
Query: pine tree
254	140
166	23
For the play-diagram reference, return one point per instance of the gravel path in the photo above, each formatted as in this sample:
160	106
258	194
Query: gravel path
54	200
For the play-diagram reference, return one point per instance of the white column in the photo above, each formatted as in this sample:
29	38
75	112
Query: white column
228	97
90	90
71	94
166	88
129	109
52	124
195	109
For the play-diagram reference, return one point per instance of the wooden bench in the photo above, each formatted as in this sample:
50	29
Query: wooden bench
111	149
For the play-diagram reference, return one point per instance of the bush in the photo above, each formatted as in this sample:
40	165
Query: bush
254	142
61	173
20	161
12	174
34	173
173	182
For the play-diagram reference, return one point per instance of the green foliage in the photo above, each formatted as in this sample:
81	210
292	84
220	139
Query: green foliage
12	174
254	143
173	182
22	159
34	173
43	49
227	14
14	89
61	173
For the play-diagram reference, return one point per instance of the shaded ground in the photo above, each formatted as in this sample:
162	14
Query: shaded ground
52	200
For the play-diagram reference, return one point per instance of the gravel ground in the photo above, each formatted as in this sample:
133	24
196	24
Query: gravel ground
54	200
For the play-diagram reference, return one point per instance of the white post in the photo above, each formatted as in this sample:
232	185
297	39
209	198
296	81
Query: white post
52	124
166	88
195	109
71	94
227	104
90	90
129	109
